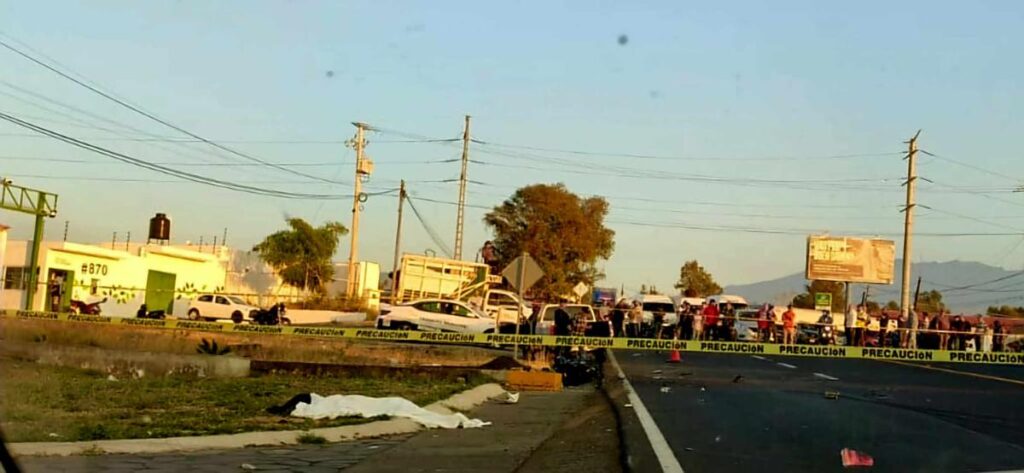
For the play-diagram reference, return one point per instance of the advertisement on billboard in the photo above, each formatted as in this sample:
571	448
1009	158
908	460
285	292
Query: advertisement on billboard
846	259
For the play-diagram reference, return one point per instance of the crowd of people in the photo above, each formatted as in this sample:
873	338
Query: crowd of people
714	321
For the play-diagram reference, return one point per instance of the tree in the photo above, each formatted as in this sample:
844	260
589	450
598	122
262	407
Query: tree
837	289
563	232
892	305
929	301
1006	310
302	254
649	290
695	281
873	307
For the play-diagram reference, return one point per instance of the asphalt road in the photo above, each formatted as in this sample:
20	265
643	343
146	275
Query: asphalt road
776	416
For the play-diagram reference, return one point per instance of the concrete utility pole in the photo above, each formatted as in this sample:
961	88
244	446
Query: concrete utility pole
41	205
398	242
363	169
908	223
462	191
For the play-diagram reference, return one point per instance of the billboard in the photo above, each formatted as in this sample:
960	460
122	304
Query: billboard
848	259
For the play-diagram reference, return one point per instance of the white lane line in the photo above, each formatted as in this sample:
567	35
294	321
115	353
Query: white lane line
825	376
759	357
667	460
786	365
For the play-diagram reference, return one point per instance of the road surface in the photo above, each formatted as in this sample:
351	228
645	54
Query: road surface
732	413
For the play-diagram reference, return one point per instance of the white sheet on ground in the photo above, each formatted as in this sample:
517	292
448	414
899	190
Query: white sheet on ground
339	405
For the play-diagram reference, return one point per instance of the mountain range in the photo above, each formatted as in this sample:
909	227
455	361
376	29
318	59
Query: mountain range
966	286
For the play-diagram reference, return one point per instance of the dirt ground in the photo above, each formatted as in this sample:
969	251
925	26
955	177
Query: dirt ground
588	441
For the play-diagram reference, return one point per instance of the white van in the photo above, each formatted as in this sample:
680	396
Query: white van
652	303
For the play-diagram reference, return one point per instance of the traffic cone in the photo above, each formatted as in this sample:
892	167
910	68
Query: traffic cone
673	357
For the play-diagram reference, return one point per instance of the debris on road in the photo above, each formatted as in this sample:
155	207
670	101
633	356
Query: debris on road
832	395
666	389
738	378
510	398
247	466
854	458
656	372
628	405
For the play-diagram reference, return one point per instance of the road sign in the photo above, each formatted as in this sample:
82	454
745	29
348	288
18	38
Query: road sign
580	290
531	272
822	301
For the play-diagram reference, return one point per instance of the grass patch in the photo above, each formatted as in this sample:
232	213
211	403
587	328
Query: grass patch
309	438
50	403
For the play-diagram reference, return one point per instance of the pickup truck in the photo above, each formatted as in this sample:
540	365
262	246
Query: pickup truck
595	326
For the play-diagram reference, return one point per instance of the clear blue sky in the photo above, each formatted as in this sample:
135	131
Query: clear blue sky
695	79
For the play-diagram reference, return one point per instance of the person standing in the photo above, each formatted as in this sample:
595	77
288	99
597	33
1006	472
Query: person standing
997	336
657	322
987	334
636	319
849	319
711	320
684	322
789	326
563	321
862	325
762	324
943	325
698	323
619	320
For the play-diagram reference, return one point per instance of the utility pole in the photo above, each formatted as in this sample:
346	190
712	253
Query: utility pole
398	243
908	224
917	292
113	241
224	239
460	220
66	223
363	169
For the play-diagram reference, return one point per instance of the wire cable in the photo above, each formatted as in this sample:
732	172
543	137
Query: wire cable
430	230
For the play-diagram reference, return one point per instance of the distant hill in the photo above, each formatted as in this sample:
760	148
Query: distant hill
938	276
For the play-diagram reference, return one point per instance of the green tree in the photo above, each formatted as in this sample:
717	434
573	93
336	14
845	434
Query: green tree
695	281
930	301
1006	310
892	305
563	232
302	254
873	307
837	289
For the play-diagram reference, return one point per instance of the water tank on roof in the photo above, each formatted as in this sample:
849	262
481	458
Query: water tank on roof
160	228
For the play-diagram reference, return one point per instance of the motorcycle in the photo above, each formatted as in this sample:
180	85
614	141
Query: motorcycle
826	331
275	315
83	308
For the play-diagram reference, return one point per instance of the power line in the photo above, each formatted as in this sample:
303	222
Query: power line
162	169
430	230
968	217
971	166
207	164
685	158
155	118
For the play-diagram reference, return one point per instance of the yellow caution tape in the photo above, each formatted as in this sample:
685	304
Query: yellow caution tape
749	348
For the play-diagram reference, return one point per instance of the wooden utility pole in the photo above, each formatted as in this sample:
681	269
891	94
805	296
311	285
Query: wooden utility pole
461	218
363	169
398	242
908	224
917	292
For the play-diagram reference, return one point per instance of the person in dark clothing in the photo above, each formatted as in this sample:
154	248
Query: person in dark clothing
997	339
563	321
618	321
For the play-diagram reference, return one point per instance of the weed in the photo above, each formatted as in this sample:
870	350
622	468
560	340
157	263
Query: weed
309	438
92	432
209	347
93	450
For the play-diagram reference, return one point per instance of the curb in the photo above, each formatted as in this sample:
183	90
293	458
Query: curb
462	401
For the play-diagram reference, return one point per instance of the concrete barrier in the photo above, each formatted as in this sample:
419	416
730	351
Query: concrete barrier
305	316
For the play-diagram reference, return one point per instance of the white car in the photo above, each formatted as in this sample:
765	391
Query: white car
546	321
436	315
216	306
501	305
652	303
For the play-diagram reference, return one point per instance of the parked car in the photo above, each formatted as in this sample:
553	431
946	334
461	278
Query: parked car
501	305
440	315
595	327
216	306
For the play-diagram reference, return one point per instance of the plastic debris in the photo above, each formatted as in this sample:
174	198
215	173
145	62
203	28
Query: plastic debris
832	395
53	435
247	466
666	389
111	378
628	405
718	438
738	378
656	372
854	458
511	398
702	389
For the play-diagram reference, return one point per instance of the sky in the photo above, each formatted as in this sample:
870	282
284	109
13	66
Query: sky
719	132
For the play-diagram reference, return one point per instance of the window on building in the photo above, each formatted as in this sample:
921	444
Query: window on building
94	288
14	278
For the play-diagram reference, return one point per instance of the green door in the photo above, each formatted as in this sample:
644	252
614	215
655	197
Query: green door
160	292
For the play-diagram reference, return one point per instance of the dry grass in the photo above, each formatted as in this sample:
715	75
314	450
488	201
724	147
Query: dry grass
48	403
256	346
